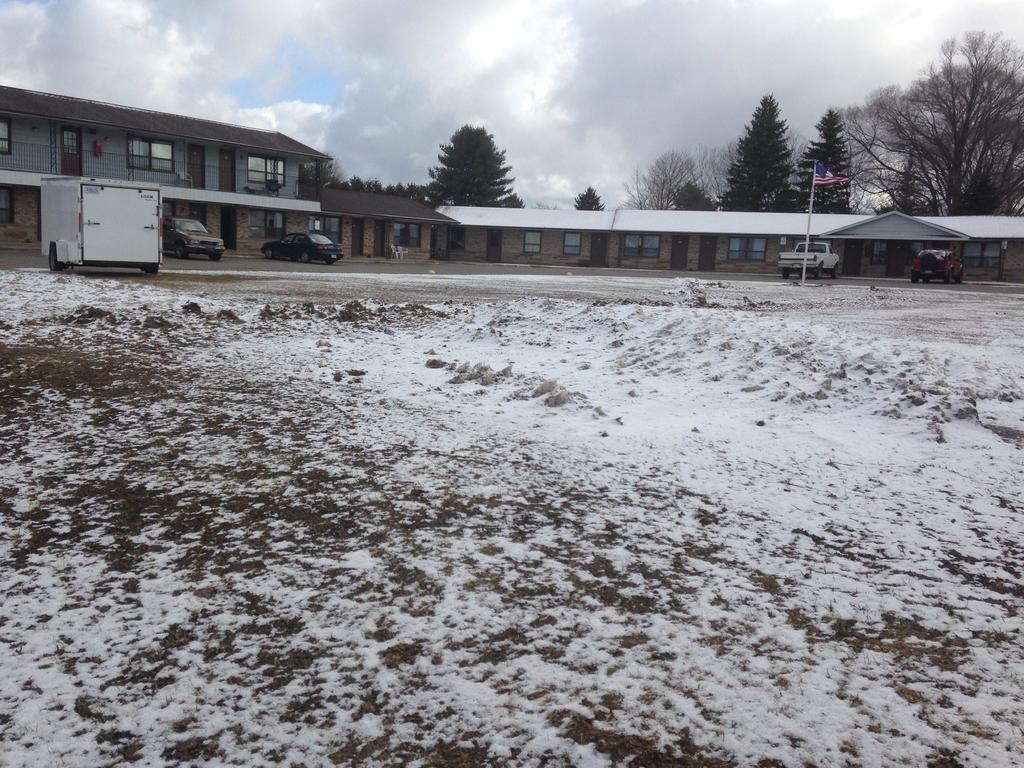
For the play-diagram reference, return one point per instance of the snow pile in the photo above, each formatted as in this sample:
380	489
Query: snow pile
763	524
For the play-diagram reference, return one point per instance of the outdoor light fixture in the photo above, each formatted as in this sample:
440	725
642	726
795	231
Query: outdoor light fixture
1002	245
782	240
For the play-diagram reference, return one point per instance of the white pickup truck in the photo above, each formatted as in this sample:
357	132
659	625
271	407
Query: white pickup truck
820	258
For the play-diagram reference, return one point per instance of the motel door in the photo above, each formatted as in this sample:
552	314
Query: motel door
226	170
897	258
599	249
71	151
708	249
494	245
197	166
852	250
679	247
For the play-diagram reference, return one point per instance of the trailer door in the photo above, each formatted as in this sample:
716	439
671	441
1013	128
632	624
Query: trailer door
120	224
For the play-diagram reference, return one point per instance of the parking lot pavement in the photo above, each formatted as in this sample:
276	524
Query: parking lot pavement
12	259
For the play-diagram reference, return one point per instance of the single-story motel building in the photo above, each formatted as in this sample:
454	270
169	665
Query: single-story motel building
249	186
706	241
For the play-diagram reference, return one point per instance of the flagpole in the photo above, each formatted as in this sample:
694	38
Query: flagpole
807	237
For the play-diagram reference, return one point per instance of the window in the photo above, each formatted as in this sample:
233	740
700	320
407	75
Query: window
148	155
747	248
646	246
531	242
403	233
879	250
571	242
264	169
268	225
6	205
456	238
5	136
315	224
981	254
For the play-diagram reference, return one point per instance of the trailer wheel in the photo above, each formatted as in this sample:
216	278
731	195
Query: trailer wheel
54	265
152	269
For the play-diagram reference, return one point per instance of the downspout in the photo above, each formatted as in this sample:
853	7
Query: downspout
618	248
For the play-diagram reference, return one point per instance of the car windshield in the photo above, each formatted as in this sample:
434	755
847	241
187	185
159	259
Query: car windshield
190	225
320	239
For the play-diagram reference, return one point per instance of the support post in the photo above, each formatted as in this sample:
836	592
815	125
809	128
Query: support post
807	237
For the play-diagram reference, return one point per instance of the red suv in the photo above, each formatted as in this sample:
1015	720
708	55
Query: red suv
937	264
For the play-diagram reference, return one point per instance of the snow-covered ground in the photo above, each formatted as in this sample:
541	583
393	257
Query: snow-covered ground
635	522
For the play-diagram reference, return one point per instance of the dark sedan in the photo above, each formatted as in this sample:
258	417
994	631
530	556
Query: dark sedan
304	248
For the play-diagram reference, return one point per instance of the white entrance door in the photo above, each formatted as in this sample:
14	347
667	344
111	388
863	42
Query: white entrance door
120	224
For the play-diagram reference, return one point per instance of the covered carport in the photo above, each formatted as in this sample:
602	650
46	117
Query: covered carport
885	245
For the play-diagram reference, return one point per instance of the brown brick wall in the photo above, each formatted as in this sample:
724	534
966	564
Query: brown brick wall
551	248
24	230
512	252
1013	262
294	221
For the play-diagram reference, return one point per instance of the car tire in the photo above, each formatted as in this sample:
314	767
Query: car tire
914	278
785	274
215	256
835	272
817	272
947	278
268	253
52	259
151	269
926	279
179	250
959	279
304	257
329	262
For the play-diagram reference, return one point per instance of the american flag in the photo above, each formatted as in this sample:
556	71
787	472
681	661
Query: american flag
823	176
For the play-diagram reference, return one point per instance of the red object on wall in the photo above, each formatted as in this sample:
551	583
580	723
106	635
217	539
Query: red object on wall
97	148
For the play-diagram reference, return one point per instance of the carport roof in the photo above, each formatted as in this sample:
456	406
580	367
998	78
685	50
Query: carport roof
895	226
145	121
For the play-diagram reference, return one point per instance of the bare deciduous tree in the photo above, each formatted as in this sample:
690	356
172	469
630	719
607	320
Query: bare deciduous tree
712	168
952	142
658	187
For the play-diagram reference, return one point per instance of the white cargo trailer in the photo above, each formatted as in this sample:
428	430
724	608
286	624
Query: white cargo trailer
100	223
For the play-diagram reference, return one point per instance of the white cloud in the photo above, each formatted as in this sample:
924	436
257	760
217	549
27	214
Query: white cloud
577	92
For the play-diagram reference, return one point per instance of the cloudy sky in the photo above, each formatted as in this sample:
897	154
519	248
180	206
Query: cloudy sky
577	91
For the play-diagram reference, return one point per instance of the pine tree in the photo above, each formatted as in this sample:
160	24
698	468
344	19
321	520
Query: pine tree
471	171
691	197
760	176
833	151
589	200
981	197
512	200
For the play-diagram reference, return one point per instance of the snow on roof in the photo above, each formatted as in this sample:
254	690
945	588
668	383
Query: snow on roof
729	222
529	218
980	227
713	222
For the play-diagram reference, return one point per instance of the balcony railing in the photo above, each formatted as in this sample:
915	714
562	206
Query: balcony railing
42	158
